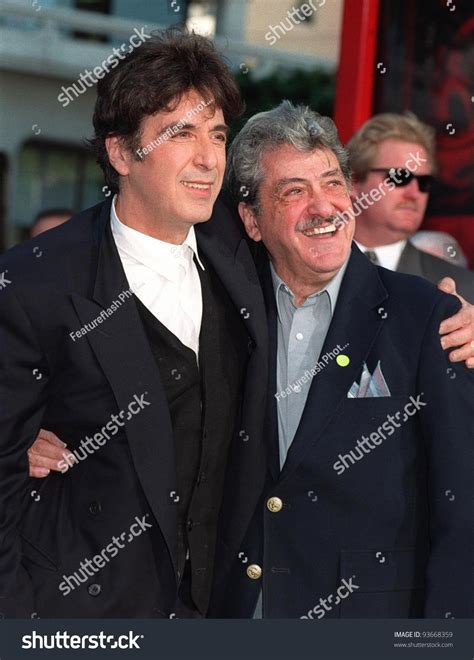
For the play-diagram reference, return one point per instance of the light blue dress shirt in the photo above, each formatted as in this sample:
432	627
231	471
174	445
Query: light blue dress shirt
301	334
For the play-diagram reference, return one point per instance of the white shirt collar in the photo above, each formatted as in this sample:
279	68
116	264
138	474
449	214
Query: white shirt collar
388	255
162	257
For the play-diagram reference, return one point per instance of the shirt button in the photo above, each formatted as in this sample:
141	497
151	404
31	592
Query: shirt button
95	508
299	336
94	589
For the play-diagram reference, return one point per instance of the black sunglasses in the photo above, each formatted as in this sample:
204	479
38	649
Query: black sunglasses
400	177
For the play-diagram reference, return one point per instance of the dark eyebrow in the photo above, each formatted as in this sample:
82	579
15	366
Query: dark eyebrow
335	172
185	127
283	182
221	127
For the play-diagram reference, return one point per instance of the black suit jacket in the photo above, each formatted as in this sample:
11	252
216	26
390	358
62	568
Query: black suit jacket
415	262
73	387
395	524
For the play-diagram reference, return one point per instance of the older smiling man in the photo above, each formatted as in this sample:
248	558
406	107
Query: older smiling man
357	519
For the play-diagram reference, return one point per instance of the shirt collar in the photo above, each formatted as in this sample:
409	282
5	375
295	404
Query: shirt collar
388	255
331	289
160	256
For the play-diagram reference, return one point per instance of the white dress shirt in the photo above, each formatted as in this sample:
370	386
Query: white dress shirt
388	255
164	277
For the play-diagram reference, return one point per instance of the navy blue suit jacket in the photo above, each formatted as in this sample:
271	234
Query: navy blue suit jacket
392	528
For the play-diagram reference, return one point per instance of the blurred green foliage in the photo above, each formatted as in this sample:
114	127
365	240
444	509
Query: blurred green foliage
313	88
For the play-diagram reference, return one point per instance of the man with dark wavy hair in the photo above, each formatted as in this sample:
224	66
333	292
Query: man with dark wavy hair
133	338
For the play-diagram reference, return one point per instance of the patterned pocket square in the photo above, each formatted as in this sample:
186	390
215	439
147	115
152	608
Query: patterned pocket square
371	385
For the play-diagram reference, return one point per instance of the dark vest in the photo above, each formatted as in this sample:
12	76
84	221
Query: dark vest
203	401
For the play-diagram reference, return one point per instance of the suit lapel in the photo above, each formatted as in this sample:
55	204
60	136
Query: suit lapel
271	416
231	259
357	320
123	352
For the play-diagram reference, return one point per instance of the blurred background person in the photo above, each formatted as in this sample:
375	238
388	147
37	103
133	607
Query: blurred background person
48	219
393	162
440	244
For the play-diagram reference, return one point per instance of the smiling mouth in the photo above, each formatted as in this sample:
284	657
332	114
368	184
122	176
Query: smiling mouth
322	229
197	186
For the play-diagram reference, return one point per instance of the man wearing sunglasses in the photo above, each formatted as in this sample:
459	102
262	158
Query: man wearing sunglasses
393	160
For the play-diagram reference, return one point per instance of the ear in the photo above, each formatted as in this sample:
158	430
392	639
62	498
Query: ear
119	156
249	219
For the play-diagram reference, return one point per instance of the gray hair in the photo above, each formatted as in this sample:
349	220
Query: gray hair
286	124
